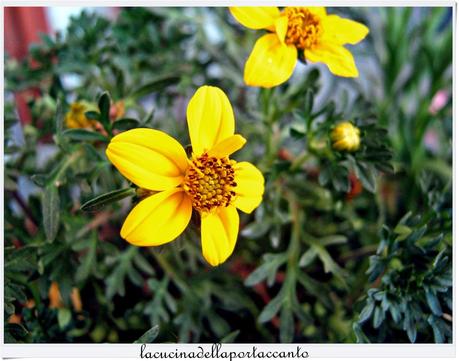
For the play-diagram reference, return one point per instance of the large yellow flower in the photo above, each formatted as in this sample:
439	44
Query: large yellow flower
320	37
209	182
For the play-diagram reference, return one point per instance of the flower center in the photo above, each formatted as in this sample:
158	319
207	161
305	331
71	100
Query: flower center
304	28
209	181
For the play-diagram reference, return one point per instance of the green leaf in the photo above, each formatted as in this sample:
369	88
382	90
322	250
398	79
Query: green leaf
149	336
103	200
266	270
308	257
104	108
63	317
155	85
395	312
366	312
433	303
92	115
366	175
229	338
143	265
272	308
51	211
438	334
412	331
84	135
125	124
378	317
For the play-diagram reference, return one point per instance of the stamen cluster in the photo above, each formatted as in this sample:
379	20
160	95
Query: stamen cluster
304	28
209	181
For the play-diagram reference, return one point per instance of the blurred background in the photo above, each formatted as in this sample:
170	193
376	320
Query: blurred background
344	248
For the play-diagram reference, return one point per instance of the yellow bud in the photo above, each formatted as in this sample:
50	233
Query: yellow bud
346	137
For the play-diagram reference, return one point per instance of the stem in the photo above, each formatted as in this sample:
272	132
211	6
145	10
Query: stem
269	120
24	208
294	246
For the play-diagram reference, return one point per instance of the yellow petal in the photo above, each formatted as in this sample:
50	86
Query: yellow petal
250	186
210	118
252	17
281	26
219	234
149	158
338	59
158	219
270	63
343	31
228	146
317	10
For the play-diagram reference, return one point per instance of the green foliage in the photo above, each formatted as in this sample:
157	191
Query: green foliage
324	258
411	275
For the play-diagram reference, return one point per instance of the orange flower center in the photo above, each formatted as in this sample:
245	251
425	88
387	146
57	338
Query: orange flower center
209	181
304	28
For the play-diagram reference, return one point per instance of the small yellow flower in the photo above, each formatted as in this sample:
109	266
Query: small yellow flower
320	37
209	182
346	137
75	117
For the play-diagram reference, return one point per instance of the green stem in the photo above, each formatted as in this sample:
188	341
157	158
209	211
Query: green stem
269	119
294	246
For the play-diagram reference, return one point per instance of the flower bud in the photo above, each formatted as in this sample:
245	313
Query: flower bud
346	137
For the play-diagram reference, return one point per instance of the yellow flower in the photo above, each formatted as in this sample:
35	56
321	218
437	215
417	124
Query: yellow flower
346	137
75	117
209	182
320	37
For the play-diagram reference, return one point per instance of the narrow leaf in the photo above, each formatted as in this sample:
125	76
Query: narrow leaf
84	135
149	336
103	200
